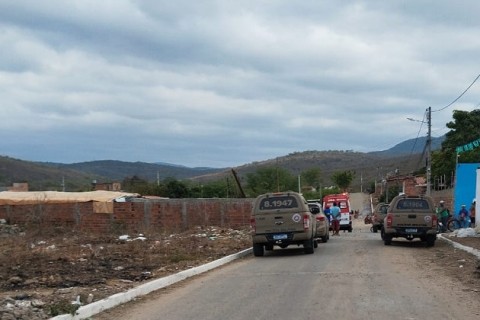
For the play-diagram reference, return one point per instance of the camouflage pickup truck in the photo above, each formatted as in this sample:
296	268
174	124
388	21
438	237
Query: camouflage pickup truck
410	217
282	219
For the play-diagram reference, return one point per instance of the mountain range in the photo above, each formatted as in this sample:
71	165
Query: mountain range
405	157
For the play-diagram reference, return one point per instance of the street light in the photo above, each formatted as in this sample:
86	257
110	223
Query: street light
411	119
429	146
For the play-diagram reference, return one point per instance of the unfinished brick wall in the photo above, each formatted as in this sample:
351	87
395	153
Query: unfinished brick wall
172	215
46	215
445	195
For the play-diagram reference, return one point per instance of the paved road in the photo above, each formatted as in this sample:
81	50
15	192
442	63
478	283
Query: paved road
353	276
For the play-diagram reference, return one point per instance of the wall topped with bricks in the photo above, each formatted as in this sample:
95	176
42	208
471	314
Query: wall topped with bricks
171	215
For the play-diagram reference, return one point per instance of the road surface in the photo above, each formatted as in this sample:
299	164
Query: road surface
353	276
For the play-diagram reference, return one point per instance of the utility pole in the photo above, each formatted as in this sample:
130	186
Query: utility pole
429	149
299	185
361	181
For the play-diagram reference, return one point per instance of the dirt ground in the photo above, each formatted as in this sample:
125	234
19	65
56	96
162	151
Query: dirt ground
41	273
50	271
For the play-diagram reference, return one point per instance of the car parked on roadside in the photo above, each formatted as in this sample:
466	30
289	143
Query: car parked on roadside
282	219
411	217
323	223
378	215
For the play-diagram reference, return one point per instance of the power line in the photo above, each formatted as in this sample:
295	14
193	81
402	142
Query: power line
418	133
448	105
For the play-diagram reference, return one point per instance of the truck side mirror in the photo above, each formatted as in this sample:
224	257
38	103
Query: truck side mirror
315	210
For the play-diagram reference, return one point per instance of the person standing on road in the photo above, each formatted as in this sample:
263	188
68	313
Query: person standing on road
463	217
472	213
442	215
327	213
335	212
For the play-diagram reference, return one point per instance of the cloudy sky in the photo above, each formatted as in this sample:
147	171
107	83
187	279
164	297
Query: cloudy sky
228	82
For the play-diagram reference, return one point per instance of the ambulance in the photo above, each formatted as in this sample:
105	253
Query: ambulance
343	201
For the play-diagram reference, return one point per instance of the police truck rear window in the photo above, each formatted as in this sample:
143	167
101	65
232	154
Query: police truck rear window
413	204
283	202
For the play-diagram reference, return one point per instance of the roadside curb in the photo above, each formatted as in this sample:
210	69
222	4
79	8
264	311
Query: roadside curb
146	288
473	251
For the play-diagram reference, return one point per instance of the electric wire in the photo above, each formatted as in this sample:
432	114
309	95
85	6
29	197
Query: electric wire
417	166
448	105
422	155
418	133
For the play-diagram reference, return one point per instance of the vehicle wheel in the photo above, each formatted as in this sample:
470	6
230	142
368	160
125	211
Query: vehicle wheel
269	247
387	239
315	243
431	240
374	229
257	250
453	225
325	238
382	234
308	246
350	229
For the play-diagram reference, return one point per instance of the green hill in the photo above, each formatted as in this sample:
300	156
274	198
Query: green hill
368	167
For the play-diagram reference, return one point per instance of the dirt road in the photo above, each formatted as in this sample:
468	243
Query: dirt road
353	276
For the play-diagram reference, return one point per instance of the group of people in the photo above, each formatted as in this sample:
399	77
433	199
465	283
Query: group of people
333	214
464	216
467	217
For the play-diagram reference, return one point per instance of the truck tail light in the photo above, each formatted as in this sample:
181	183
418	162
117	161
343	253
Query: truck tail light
253	225
320	218
306	222
389	220
434	221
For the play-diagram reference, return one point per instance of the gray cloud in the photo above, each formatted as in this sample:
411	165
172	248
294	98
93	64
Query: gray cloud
223	83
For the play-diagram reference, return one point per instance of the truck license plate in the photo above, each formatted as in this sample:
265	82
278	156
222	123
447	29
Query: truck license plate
411	230
279	236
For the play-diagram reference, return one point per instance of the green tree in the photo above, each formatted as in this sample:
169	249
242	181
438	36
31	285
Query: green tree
371	187
136	184
312	177
330	190
270	179
464	129
343	179
393	191
176	189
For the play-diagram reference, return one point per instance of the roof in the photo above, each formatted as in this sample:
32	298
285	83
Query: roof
36	197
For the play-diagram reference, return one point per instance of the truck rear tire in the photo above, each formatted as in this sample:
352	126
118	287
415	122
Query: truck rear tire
308	246
387	239
258	250
430	240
